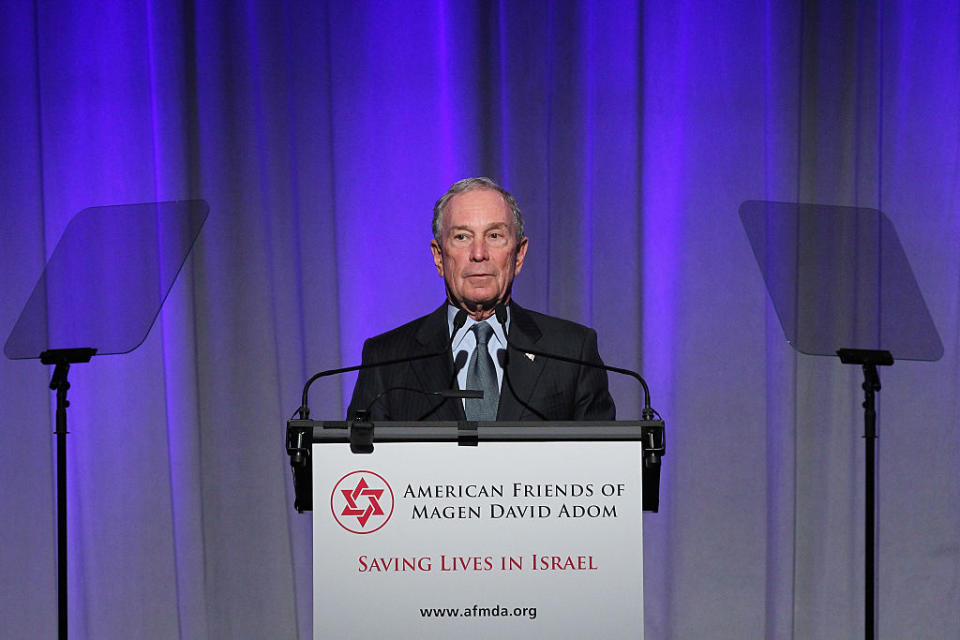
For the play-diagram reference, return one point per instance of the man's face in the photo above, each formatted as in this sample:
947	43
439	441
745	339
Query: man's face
478	254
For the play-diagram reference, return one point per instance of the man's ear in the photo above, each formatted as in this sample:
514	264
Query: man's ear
437	256
521	254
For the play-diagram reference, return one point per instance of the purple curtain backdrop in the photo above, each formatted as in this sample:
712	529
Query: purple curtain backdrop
321	133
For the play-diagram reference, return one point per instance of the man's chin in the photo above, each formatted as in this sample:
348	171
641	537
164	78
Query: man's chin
478	305
483	307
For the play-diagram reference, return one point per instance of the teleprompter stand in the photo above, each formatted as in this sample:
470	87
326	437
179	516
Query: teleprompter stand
62	359
102	288
869	359
841	285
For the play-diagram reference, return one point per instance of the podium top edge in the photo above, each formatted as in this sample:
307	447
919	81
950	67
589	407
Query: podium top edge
450	431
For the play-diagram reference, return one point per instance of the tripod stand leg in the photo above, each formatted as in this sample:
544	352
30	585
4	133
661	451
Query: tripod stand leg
871	385
61	526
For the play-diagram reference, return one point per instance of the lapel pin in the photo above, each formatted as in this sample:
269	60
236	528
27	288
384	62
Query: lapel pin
530	356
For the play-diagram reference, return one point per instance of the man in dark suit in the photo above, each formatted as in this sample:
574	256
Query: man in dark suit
478	249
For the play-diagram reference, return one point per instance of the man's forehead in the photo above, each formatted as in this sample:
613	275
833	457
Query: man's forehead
478	208
469	224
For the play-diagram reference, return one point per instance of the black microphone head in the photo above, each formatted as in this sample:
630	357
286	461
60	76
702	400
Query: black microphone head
459	320
502	358
459	361
501	312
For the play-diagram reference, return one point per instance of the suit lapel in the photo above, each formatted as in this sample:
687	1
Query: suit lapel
523	371
433	335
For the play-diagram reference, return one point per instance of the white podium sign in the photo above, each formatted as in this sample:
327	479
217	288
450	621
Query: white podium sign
501	540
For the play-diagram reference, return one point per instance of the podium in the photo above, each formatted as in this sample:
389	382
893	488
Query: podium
474	530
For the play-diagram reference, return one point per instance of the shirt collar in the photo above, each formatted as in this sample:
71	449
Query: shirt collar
499	331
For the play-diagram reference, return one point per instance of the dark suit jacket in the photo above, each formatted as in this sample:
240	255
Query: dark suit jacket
535	388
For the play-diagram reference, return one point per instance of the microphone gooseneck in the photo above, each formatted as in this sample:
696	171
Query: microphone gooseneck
647	413
458	321
304	411
459	361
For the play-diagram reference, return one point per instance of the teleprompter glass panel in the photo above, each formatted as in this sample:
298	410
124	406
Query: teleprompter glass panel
839	278
107	278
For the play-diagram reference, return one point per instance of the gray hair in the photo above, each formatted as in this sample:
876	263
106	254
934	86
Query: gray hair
473	184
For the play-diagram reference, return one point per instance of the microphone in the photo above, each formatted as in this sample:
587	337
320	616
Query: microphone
647	413
304	411
652	433
458	363
297	440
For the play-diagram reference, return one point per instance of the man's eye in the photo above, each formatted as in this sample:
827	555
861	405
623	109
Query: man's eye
459	236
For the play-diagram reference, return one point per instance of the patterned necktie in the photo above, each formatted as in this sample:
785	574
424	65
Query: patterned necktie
481	374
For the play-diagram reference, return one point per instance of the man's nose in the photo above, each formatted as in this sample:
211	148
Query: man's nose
478	250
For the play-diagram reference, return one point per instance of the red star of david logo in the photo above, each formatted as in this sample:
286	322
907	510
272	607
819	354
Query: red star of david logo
365	505
372	508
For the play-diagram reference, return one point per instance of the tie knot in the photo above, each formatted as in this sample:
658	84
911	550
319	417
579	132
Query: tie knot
483	332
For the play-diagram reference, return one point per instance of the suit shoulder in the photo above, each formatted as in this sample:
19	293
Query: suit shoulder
408	329
401	337
555	325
